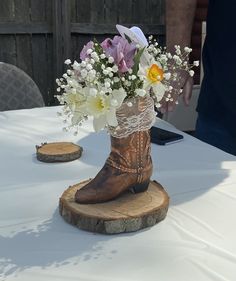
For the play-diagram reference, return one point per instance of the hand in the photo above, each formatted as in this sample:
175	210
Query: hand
184	82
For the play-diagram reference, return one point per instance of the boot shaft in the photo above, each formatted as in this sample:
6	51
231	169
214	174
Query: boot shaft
132	153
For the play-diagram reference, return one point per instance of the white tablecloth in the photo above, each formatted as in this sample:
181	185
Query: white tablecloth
196	242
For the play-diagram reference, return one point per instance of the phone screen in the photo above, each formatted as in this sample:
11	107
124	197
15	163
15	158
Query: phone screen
163	137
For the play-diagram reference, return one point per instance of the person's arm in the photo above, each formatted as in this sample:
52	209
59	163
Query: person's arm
179	22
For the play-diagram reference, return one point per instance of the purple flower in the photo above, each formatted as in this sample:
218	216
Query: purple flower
122	52
83	53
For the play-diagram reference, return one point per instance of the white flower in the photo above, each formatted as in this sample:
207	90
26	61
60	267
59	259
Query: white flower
89	67
114	102
103	108
94	55
152	76
196	63
93	92
105	72
58	82
107	85
76	65
92	74
84	73
187	50
110	60
140	92
68	61
114	68
167	75
109	69
75	101
72	83
191	73
178	52
103	56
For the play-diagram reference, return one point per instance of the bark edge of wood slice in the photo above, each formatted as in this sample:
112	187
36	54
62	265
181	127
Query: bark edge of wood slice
127	213
58	152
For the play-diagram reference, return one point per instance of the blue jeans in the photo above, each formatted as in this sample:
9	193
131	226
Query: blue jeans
215	134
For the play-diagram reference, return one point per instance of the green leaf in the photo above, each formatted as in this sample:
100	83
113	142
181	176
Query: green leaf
137	60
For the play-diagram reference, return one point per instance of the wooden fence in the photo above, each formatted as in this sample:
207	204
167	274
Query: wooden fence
38	35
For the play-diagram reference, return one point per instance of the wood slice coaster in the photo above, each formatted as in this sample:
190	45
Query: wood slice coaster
127	213
58	152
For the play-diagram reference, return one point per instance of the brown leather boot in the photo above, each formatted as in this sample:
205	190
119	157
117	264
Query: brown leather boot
129	166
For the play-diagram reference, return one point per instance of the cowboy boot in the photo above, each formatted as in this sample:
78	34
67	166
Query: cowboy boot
128	167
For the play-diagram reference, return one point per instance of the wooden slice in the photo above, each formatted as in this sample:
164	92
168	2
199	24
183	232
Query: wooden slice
127	213
58	152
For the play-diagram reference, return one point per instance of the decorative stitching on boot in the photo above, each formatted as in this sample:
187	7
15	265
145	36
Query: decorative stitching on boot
138	158
120	167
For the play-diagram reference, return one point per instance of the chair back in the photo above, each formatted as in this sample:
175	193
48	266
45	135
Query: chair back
17	89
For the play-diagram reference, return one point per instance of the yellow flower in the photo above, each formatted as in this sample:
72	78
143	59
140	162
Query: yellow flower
155	74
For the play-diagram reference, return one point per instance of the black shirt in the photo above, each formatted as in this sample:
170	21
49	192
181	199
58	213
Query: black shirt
217	99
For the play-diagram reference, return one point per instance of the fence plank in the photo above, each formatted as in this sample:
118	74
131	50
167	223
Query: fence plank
83	10
6	10
39	63
38	10
84	28
73	5
24	53
8	49
159	8
139	11
49	14
111	15
24	28
51	84
57	39
22	11
66	28
124	11
97	11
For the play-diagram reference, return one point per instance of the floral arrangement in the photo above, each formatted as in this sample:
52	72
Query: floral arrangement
116	71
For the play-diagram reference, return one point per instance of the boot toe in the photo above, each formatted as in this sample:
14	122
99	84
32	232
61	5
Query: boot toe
85	196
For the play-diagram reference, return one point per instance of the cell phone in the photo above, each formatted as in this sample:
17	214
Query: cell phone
163	137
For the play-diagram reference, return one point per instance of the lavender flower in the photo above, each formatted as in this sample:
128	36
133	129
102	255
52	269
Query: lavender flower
122	52
83	53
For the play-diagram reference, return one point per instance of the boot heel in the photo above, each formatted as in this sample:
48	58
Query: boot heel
141	187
